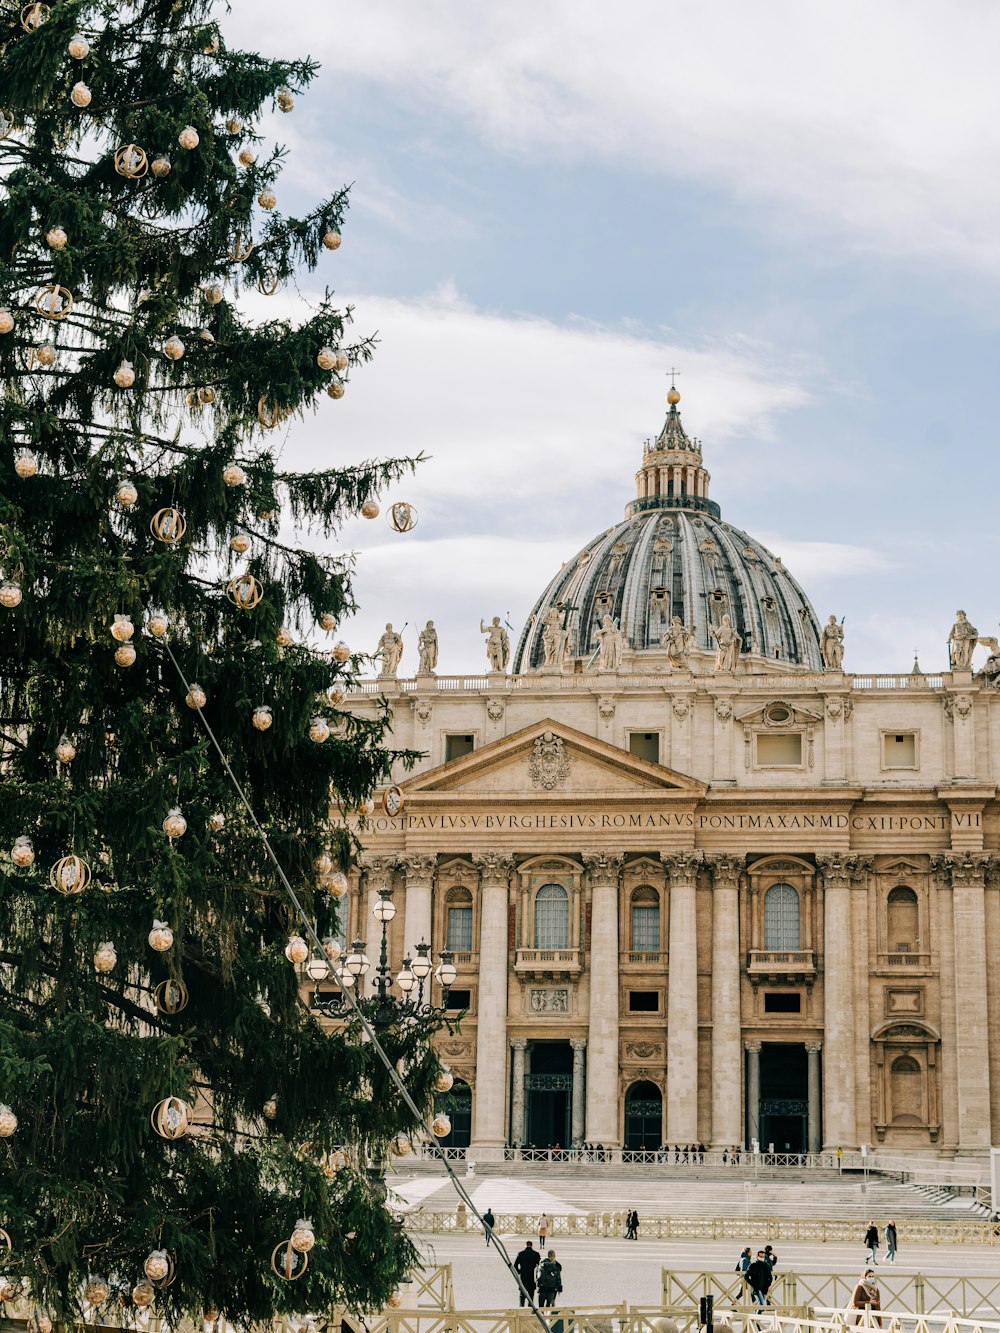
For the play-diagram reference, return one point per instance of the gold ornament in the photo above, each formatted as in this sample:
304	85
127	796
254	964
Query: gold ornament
157	1266
170	996
160	167
25	463
244	591
54	302
125	655
401	1146
337	884
402	516
131	162
340	652
336	695
206	336
336	387
233	474
206	396
122	629
327	621
45	355
174	824
239	542
10	593
283	637
366	807
196	696
341	361
105	960
171	1118
212	294
233	126
158	623
10	1288
22	853
369	509
267	199
125	375
210	1314
173	348
212	49
65	750
247	157
285	100
332	240
326	358
143	1293
441	1126
188	137
262	717
216	822
168	525
445	1081
33	16
56	238
96	1291
394	1300
319	730
79	47
286	1263
241	250
303	1238
6	320
268	282
80	95
323	864
126	494
270	1107
331	948
40	1322
70	875
161	937
296	950
332	1162
268	414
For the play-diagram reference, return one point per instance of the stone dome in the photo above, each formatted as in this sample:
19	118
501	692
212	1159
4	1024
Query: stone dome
674	556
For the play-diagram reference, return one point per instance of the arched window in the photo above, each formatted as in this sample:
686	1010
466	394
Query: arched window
781	917
552	917
645	920
906	1089
459	931
902	921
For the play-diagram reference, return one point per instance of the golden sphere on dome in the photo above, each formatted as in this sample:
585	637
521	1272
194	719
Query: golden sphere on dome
673	396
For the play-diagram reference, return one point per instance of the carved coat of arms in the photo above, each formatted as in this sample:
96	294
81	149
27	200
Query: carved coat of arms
549	761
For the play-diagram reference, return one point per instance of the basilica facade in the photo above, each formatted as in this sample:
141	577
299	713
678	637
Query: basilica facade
701	884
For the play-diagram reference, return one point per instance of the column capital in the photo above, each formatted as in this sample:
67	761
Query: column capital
578	1043
418	867
604	867
493	867
843	868
683	867
965	869
753	1047
813	1046
725	868
519	1043
375	865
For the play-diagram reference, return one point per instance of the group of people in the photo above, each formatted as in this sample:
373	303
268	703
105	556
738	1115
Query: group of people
757	1273
872	1243
545	1275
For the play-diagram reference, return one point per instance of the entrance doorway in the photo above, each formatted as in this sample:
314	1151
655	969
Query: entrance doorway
784	1093
548	1094
644	1117
457	1105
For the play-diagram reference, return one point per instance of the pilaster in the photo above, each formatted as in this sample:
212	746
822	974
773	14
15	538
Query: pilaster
839	1084
602	1082
727	1128
491	1008
682	999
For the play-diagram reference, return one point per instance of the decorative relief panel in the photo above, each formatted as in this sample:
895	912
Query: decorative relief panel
548	1001
549	764
904	1000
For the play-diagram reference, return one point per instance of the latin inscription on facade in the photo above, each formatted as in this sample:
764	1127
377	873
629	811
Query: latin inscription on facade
681	821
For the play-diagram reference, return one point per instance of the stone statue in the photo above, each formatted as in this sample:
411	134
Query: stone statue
991	667
611	642
831	645
727	645
427	646
554	637
497	644
677	639
390	650
961	642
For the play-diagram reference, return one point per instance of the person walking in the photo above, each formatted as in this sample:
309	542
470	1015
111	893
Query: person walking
488	1221
742	1265
890	1242
759	1277
871	1243
866	1296
770	1256
632	1225
549	1279
525	1263
543	1230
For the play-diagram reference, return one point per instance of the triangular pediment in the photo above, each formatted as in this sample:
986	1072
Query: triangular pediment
551	760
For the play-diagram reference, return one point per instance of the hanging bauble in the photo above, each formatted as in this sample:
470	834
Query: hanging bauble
268	282
326	358
54	302
6	320
39	1322
212	46
131	161
213	294
45	354
206	396
157	1266
196	696
337	885
105	958
216	821
336	387
173	348
170	996
270	1107
158	623
441	1126
445	1081
79	47
161	937
233	474
65	750
125	375
22	853
96	1291
25	463
336	695
303	1238
160	167
174	824
168	525
125	655
331	948
126	494
267	199
268	414
323	864
70	875
122	629
332	240
369	509
8	1121
239	542
188	137
366	807
394	1300
327	621
283	637
286	1263
340	652
80	95
296	950
143	1294
262	717
171	1118
210	1314
402	516
234	126
10	593
332	1162
247	157
401	1146
285	100
244	591
56	238
319	730
33	16
10	1288
341	361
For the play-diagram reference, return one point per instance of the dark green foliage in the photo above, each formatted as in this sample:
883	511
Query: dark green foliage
86	1186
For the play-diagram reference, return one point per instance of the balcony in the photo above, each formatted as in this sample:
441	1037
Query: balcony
547	962
781	965
644	958
904	958
465	961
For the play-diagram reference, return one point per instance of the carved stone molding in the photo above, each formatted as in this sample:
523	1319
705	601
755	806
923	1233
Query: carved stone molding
814	1046
455	1048
683	867
644	1050
604	867
723	710
843	867
494	709
549	763
519	1043
725	868
578	1043
834	709
606	707
423	710
549	1001
493	867
681	708
753	1047
965	869
956	705
378	867
419	868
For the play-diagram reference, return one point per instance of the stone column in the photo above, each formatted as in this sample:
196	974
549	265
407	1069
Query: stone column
519	1045
682	999
814	1140
577	1125
839	1122
419	872
727	1127
967	872
753	1092
602	1080
491	1008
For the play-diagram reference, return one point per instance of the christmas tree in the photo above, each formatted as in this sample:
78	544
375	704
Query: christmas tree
172	1111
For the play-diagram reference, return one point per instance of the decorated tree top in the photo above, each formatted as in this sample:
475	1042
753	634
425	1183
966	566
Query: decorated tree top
165	1088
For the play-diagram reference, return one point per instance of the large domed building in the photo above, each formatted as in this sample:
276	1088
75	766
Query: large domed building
699	883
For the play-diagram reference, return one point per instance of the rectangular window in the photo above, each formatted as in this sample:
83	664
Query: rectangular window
782	1002
645	928
645	745
644	1001
899	749
460	929
459	999
783	751
456	746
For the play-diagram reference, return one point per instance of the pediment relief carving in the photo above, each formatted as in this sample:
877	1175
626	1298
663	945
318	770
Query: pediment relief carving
779	714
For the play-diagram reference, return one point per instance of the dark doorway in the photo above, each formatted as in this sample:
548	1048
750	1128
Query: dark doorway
784	1092
644	1117
548	1094
457	1105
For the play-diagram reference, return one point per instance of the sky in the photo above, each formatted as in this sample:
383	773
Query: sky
553	203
